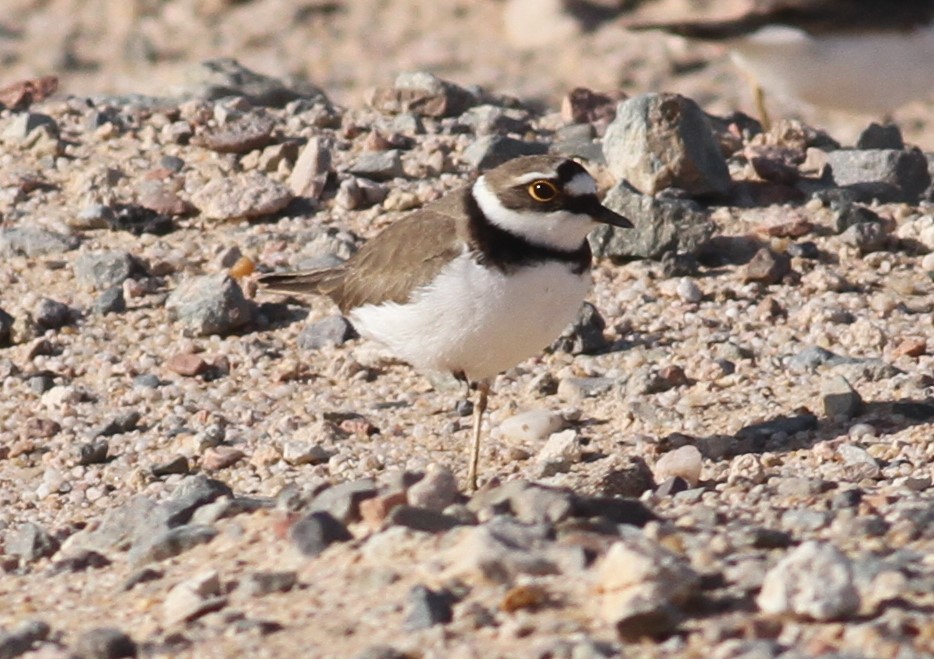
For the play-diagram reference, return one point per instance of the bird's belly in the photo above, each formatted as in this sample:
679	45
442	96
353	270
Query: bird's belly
857	73
478	320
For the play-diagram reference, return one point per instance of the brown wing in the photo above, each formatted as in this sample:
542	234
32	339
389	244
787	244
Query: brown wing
405	256
321	281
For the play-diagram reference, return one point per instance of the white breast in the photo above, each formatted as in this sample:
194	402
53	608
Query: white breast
858	73
476	319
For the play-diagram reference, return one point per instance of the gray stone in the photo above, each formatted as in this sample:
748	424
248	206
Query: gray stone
866	237
342	501
6	328
356	193
21	639
221	77
890	175
52	314
839	398
617	510
421	519
500	550
258	584
427	608
110	301
422	93
240	134
126	421
767	267
175	465
33	241
316	531
852	214
80	561
132	523
225	507
331	331
489	151
492	119
192	493
105	643
799	486
249	195
30	542
660	141
660	226
585	335
541	505
575	389
810	358
378	165
94	452
803	521
41	382
147	381
170	543
813	581
101	270
211	304
623	476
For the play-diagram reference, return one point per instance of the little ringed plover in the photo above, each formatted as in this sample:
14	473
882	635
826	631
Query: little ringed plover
477	281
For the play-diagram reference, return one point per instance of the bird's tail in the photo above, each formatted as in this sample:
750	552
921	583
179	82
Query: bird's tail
321	281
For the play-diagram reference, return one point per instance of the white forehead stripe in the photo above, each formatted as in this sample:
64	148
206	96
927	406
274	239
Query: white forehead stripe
533	176
582	184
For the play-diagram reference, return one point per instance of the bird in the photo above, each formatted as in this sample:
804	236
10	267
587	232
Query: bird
475	282
861	57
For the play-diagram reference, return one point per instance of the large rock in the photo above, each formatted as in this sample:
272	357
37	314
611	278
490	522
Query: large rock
660	141
660	226
34	241
814	581
887	174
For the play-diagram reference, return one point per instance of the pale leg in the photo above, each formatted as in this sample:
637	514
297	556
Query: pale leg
483	392
759	96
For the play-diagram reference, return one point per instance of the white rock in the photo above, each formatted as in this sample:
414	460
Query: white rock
685	462
688	290
60	396
746	467
531	426
641	584
560	451
436	491
193	598
814	581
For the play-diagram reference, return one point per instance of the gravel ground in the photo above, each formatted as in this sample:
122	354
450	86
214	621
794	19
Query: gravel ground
728	455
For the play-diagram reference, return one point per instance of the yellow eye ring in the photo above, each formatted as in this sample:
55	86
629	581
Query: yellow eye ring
543	191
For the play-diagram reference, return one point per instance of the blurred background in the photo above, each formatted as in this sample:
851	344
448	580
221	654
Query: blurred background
536	50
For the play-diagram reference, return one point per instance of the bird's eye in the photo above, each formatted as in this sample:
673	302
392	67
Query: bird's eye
543	190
